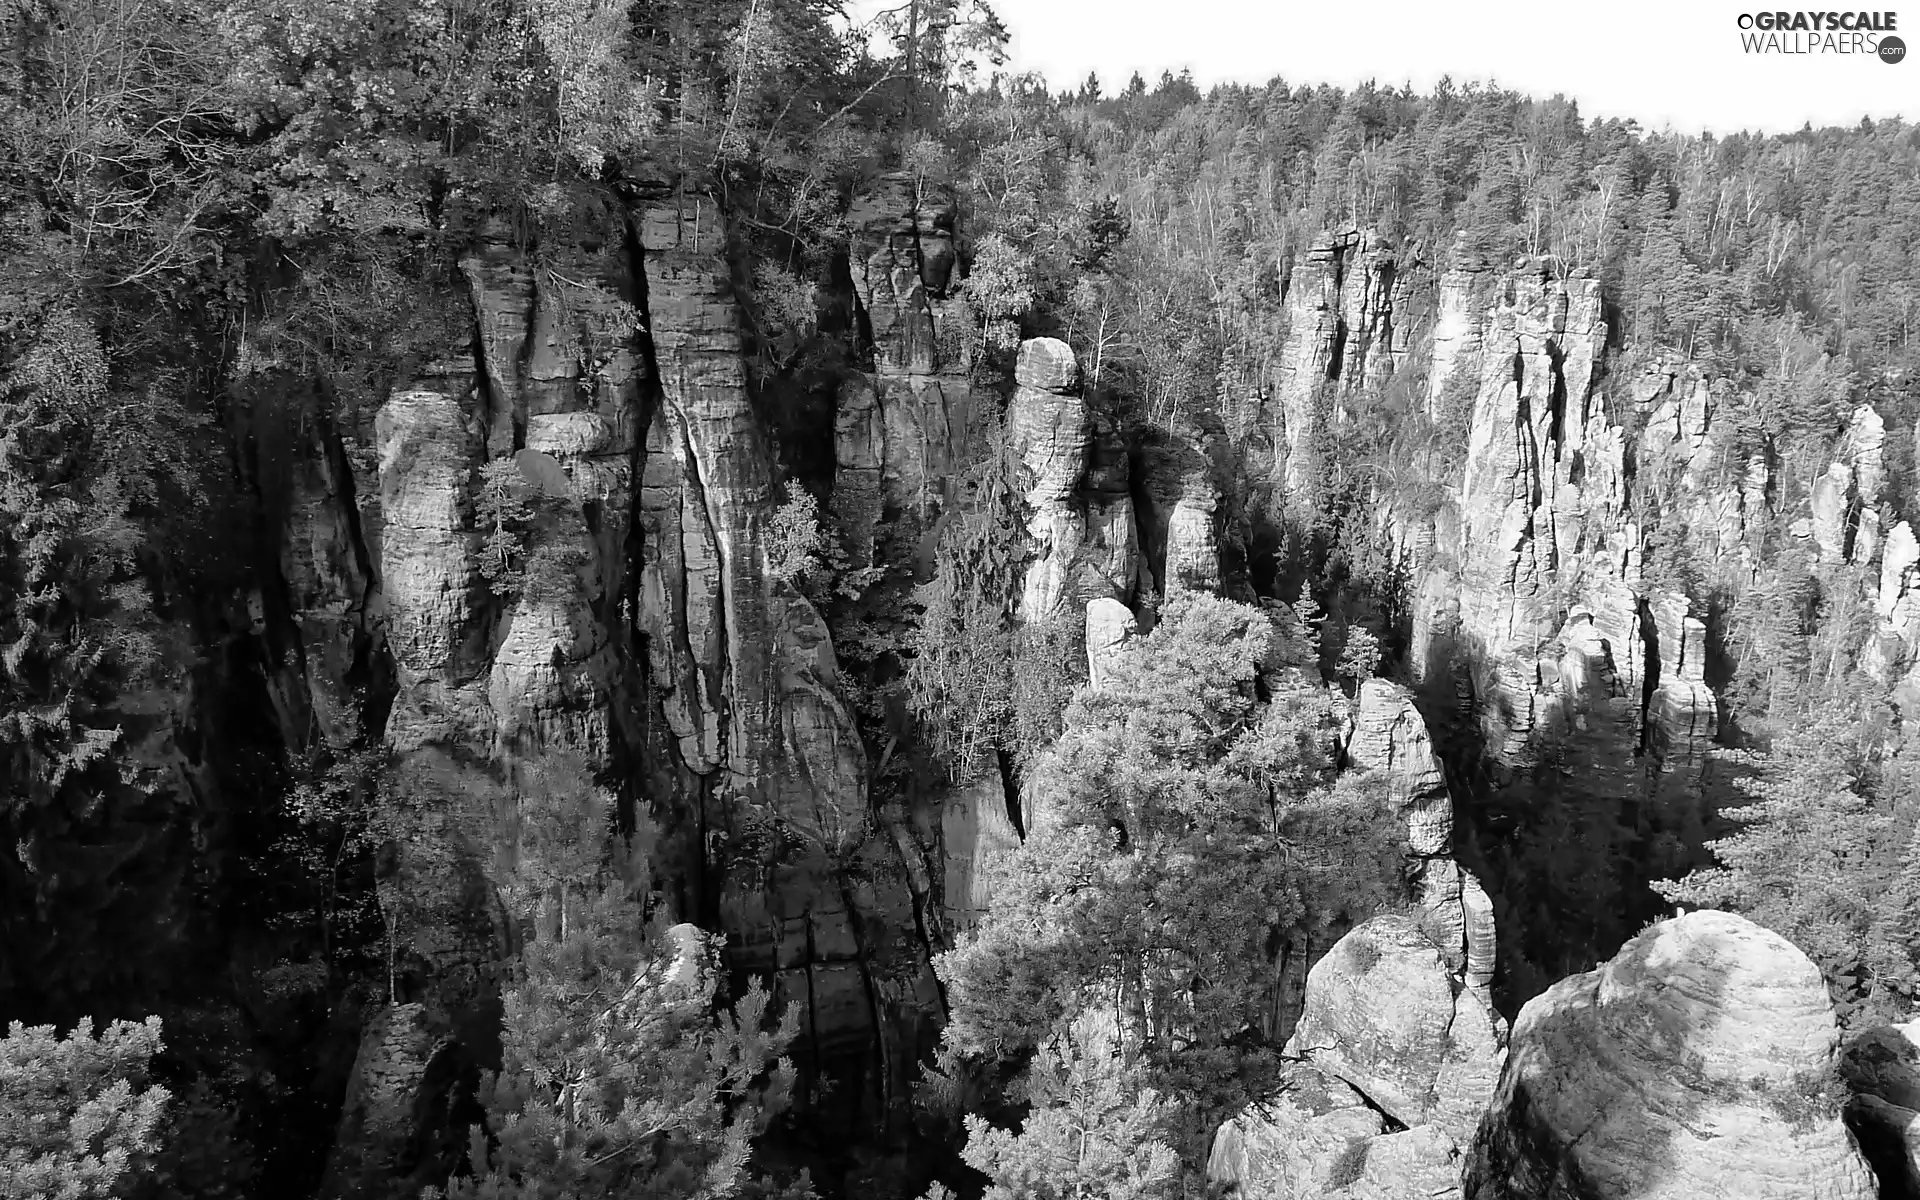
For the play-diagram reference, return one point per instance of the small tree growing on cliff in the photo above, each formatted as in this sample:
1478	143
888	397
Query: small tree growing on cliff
795	543
1176	831
618	1078
1808	857
1093	1128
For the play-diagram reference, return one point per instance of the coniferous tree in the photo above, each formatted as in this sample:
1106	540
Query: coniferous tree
78	1118
620	1078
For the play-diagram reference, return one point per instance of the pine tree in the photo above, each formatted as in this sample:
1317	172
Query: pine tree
78	1119
1093	1130
1806	857
618	1077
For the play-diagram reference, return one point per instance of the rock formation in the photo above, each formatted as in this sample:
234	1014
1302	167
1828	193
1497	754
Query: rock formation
901	432
1694	1064
1347	328
1395	1061
748	684
1459	325
1080	513
1881	1067
1385	1014
1389	735
523	662
498	576
1109	625
1291	1147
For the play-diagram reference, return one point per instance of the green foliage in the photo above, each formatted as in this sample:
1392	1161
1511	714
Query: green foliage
1181	828
1093	1130
1807	856
324	857
503	515
78	1118
1360	655
81	463
961	678
795	543
1001	291
618	1077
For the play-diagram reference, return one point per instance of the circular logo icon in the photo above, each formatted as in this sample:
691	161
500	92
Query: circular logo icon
1892	50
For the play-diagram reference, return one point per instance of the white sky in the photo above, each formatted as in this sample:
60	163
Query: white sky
1664	62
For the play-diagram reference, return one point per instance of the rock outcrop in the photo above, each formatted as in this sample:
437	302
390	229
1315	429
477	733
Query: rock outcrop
1881	1066
1346	329
1389	735
1459	326
502	583
1698	1062
1109	625
1523	522
1317	1140
510	649
901	432
775	770
1294	1146
1395	1061
1384	1013
1074	475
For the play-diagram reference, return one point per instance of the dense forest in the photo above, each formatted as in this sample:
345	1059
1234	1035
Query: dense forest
682	598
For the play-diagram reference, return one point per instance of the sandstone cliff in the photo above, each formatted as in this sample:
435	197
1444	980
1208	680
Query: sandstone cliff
902	431
561	549
1396	1058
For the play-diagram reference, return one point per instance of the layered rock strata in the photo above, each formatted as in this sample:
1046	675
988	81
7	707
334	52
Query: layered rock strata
1394	1061
1348	328
509	650
810	890
902	430
1690	1065
1390	736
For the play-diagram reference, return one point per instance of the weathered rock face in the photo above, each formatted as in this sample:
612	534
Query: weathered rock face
1384	1013
391	1085
1523	522
1291	1147
594	422
1318	1140
1881	1066
975	824
1186	482
523	663
901	432
1389	735
1845	516
1687	1066
1109	625
1343	335
1459	325
337	655
791	743
1423	1162
1079	510
1387	1029
749	686
1554	658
